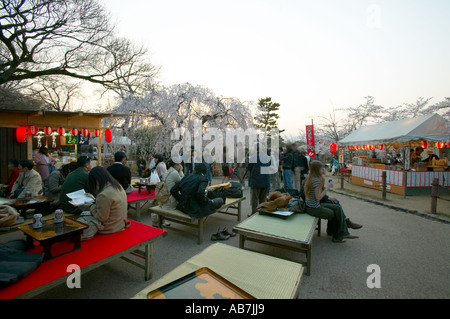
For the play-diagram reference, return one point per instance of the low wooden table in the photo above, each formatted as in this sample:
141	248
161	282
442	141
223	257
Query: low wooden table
147	186
51	233
294	233
138	198
262	276
40	203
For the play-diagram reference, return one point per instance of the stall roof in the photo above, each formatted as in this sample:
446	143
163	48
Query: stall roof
432	127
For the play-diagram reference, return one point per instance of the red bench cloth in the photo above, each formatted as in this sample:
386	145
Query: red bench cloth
135	195
93	250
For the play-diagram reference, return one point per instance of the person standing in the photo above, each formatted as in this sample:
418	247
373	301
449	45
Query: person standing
287	167
225	167
297	167
45	163
259	178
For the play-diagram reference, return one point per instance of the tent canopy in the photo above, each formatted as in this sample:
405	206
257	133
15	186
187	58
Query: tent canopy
432	127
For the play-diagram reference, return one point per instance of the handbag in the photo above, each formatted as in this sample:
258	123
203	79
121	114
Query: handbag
162	195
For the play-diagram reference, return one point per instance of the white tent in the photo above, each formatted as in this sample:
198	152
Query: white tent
431	127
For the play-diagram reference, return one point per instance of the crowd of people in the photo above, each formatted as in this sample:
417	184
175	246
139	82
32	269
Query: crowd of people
289	170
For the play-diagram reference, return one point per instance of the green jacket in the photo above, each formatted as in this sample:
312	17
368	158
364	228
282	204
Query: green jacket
76	180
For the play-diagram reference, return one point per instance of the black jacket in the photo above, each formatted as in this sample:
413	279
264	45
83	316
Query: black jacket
191	197
121	173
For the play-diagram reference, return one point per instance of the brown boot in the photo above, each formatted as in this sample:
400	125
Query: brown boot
352	225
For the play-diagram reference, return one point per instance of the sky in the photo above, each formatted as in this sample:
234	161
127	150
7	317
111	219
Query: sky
309	56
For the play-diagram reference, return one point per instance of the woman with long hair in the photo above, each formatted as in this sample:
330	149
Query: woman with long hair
110	207
315	191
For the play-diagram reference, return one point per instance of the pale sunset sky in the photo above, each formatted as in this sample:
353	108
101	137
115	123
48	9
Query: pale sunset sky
309	56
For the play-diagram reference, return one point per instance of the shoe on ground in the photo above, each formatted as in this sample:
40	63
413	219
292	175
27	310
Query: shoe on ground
352	225
334	240
226	232
351	237
219	236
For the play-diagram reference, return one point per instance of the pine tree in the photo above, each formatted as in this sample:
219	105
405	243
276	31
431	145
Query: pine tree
267	119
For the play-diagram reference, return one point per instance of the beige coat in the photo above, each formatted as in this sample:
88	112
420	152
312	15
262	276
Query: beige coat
32	182
170	178
110	209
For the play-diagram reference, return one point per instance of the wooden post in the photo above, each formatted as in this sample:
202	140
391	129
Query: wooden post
342	176
434	195
383	175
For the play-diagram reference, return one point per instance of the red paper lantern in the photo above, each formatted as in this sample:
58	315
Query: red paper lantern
440	144
61	131
358	147
371	147
364	147
333	148
380	146
85	132
108	136
74	132
22	134
97	133
33	129
424	144
48	130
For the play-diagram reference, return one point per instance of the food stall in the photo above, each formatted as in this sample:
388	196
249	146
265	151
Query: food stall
431	132
22	132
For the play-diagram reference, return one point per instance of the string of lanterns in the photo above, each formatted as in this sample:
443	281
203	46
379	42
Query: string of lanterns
424	144
23	132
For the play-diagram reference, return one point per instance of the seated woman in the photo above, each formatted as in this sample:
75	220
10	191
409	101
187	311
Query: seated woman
160	166
13	167
314	192
173	175
191	197
29	180
56	180
110	207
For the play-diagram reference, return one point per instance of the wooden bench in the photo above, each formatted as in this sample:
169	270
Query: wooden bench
176	216
294	233
99	250
263	277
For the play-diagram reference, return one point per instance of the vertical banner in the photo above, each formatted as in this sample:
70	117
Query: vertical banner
310	141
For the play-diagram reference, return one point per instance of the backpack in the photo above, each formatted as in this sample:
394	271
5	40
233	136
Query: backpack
235	191
162	195
220	192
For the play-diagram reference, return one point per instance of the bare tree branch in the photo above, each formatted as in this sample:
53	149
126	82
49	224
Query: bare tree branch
70	38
